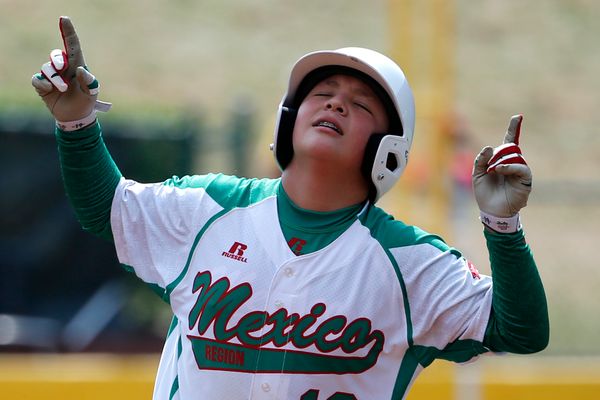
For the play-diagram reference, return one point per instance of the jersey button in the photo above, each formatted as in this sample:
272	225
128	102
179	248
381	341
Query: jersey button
289	272
265	387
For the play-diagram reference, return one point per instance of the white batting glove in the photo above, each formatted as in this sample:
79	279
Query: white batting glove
69	90
502	181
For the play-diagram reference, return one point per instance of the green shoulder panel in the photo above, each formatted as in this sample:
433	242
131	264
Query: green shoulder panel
392	233
229	191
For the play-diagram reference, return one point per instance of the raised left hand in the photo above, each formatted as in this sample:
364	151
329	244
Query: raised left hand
501	177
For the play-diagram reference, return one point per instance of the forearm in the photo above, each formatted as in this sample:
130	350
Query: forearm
90	177
519	318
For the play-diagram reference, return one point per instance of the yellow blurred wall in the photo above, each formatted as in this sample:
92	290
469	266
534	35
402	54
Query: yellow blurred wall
103	376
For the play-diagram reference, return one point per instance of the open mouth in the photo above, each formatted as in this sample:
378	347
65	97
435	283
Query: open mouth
329	125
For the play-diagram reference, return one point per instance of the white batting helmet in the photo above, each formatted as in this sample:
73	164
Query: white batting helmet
386	153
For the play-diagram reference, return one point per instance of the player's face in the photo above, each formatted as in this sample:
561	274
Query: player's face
336	119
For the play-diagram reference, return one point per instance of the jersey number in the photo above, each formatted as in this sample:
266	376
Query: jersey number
313	394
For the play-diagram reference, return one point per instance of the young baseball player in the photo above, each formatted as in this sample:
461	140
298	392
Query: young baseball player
301	287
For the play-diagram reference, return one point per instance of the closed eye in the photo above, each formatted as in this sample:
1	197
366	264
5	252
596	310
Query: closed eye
364	107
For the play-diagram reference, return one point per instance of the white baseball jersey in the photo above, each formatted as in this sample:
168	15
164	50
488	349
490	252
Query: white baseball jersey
357	319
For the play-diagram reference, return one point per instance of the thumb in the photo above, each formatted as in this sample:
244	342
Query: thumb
481	161
87	81
521	171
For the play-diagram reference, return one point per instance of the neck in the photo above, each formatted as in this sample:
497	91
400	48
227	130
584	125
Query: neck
315	187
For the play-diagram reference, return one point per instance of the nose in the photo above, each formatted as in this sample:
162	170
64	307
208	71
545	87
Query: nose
336	104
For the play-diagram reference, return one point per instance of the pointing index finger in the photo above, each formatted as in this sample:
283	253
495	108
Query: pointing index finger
72	45
514	129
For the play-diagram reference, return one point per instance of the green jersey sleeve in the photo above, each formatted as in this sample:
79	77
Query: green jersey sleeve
90	177
519	317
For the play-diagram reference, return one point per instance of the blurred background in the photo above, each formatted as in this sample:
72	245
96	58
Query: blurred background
195	87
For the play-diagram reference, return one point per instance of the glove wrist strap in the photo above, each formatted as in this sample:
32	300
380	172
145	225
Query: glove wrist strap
501	225
85	121
77	124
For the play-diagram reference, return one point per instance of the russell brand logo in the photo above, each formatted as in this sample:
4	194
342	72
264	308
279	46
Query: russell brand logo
275	342
236	252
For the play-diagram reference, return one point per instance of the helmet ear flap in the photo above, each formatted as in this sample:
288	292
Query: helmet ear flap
283	147
369	160
384	161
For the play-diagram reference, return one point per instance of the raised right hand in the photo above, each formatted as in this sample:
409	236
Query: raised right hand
65	85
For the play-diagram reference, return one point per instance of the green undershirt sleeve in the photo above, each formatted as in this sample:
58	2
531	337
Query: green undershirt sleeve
519	318
90	177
